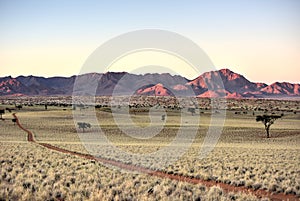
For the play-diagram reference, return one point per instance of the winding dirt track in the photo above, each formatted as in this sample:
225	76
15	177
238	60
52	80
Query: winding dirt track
226	187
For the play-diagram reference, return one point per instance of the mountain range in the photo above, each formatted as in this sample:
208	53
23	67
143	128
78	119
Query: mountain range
221	83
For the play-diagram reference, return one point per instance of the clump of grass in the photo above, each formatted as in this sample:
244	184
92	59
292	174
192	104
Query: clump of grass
214	193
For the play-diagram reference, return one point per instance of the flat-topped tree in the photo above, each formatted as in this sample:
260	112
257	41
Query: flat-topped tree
1	113
192	110
19	107
267	120
83	125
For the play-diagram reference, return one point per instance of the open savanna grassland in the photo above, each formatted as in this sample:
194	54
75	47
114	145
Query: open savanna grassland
243	156
32	172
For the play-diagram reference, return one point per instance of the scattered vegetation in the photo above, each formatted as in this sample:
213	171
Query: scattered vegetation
30	172
242	156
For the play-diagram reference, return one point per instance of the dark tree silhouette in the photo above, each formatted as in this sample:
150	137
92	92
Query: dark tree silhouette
19	106
14	121
163	117
83	125
267	120
1	113
191	110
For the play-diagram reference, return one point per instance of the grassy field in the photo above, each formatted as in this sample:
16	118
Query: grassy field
243	156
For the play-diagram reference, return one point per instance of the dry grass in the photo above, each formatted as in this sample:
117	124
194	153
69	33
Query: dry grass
242	157
31	172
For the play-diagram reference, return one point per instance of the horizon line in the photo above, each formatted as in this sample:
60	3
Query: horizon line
142	74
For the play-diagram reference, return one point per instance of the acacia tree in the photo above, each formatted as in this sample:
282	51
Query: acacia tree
1	113
83	125
267	120
19	107
191	110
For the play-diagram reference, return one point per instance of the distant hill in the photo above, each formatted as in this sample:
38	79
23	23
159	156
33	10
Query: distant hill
231	85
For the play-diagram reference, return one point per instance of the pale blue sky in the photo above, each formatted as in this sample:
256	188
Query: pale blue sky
55	37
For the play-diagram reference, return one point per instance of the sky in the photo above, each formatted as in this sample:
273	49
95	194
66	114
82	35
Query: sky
259	39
